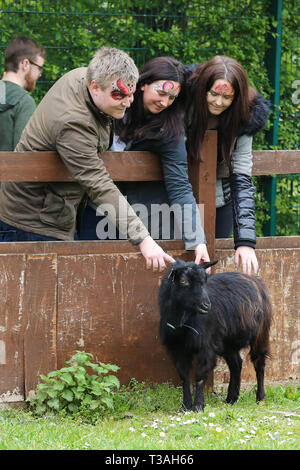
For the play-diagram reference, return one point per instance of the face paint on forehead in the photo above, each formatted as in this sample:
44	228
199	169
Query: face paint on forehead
167	87
120	90
224	89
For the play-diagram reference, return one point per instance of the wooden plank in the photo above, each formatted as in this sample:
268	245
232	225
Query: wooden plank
268	162
267	243
203	180
131	166
12	320
41	306
82	247
106	307
47	166
32	166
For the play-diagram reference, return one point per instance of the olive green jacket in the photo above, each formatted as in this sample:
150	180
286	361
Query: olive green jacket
67	121
16	107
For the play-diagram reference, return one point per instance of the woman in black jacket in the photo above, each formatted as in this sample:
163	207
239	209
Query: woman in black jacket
219	97
155	122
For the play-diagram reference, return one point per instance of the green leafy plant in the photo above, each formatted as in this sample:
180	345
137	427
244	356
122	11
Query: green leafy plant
74	391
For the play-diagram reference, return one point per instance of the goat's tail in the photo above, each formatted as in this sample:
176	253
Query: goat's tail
261	344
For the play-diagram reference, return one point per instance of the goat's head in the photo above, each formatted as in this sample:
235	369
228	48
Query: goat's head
189	282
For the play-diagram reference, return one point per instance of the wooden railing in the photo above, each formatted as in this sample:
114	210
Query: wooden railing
145	166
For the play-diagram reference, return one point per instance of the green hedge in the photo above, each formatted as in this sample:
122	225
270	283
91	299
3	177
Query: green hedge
191	31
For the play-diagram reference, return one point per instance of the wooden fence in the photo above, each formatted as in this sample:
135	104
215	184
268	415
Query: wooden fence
57	297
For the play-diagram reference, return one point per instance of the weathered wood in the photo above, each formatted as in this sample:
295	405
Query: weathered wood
134	166
40	305
268	162
47	166
12	325
203	180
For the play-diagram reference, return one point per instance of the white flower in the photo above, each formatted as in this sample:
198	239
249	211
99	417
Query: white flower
219	429
199	438
144	434
162	434
212	415
242	441
241	429
210	424
131	429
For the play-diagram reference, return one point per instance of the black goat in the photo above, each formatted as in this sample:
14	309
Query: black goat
210	316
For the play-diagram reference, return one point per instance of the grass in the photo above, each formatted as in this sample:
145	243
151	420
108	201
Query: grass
147	418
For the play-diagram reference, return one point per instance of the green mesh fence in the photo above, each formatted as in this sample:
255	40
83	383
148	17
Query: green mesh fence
192	31
72	30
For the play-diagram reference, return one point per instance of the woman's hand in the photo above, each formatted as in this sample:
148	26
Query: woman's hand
248	259
154	255
201	255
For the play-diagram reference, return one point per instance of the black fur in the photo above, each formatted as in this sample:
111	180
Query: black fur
210	316
259	116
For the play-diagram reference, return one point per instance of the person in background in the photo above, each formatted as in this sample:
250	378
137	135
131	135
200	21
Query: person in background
75	119
23	65
219	97
155	122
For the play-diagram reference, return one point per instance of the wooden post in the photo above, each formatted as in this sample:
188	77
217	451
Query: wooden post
203	179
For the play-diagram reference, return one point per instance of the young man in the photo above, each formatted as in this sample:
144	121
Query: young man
24	60
75	118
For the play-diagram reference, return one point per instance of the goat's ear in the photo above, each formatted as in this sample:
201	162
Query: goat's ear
208	264
171	275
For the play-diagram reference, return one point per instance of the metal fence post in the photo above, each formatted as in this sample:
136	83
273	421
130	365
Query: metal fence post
273	60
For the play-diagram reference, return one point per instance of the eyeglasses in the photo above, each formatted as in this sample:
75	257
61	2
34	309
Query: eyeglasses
38	66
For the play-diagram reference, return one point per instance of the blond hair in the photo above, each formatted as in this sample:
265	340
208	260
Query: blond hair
109	64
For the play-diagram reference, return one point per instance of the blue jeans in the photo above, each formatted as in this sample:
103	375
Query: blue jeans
13	234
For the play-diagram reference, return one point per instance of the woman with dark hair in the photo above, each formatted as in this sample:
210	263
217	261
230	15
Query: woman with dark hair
220	98
155	122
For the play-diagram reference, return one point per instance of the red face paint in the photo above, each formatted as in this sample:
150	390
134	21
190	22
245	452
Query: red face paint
120	91
224	89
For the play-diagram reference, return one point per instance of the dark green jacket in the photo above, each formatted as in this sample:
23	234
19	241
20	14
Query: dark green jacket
16	107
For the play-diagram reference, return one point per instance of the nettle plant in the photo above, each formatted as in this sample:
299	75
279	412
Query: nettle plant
72	390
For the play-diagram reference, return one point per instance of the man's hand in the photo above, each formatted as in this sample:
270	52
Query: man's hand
154	255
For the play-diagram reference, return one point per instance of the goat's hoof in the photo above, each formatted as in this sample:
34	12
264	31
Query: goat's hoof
231	401
260	399
198	408
185	408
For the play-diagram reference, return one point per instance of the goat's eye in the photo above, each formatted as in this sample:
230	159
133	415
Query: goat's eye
184	282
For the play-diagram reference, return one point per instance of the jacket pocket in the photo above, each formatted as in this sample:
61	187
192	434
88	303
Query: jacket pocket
58	212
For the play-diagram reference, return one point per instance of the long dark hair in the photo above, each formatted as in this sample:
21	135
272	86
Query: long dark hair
137	123
201	81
